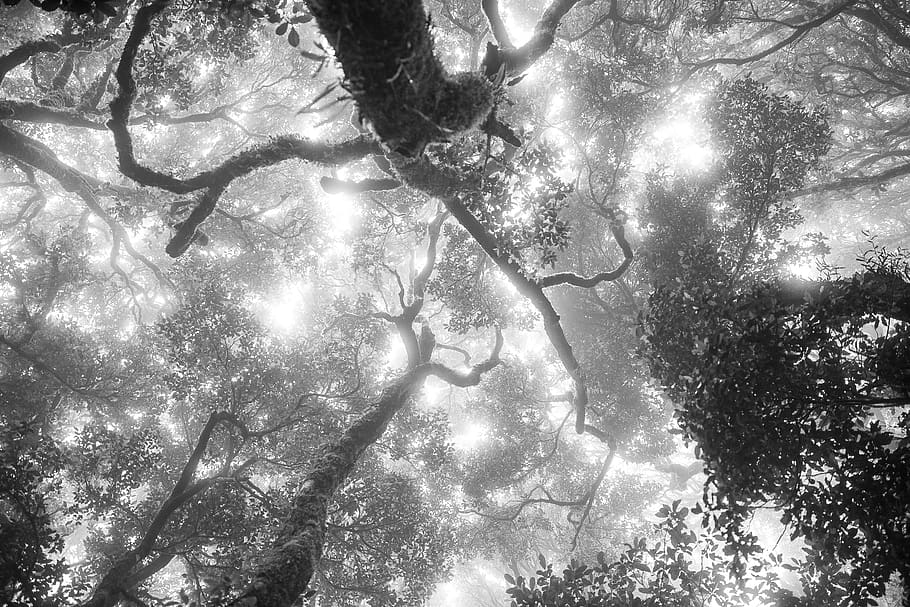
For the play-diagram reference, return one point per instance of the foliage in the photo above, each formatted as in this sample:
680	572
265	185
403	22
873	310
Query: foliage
31	566
679	568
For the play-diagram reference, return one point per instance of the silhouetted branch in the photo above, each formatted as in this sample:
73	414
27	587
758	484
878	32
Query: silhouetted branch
472	377
120	576
446	183
588	282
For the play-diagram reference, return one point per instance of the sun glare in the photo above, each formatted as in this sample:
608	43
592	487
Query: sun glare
678	142
284	311
470	437
342	213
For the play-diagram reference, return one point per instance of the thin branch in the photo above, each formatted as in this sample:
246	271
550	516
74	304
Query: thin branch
115	582
588	282
446	184
798	32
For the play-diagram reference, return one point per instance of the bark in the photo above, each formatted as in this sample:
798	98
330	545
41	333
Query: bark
35	154
24	52
34	112
391	70
214	181
445	184
284	572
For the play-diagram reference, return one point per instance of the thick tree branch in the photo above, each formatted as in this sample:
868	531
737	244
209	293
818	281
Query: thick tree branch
391	70
847	183
33	112
24	52
497	27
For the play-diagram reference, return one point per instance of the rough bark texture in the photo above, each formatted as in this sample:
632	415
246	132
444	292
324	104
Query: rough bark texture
391	70
285	571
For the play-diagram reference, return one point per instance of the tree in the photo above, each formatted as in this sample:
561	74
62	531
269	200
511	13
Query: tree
803	433
202	434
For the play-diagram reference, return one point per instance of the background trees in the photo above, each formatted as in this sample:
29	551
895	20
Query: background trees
221	285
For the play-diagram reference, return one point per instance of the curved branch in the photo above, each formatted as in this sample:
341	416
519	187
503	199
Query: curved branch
118	578
798	32
588	282
36	154
49	44
445	184
469	378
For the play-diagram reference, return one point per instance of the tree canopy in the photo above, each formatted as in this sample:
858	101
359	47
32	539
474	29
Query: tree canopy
370	303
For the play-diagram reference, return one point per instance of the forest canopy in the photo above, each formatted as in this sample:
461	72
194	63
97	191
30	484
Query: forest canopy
456	302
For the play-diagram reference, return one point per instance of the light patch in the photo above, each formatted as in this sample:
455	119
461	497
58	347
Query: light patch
807	270
434	389
519	32
342	212
397	355
555	104
165	101
557	412
284	311
676	142
447	595
471	436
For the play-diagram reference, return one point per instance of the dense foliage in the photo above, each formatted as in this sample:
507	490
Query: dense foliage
300	302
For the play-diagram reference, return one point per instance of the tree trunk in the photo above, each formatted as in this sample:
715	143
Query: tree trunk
286	569
391	70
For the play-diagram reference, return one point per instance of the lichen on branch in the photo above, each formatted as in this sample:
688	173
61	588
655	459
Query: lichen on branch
402	90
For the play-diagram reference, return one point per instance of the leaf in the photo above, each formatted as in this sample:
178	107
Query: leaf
281	29
509	579
293	37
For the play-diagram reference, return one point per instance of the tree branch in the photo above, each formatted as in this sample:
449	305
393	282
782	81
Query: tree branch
514	61
116	581
588	282
445	184
472	377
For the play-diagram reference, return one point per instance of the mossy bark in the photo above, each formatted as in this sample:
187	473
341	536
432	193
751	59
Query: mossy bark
390	67
285	571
